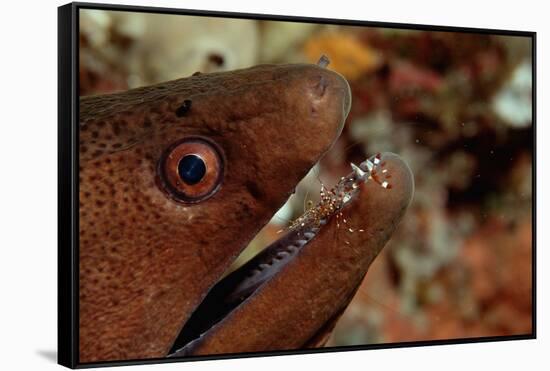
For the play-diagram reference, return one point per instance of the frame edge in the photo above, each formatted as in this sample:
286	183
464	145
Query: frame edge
66	301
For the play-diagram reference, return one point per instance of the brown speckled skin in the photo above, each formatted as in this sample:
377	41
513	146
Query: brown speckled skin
146	261
299	306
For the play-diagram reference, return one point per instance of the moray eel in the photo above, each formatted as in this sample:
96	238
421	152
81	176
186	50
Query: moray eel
177	178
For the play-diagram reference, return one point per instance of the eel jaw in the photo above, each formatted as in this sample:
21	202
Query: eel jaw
237	288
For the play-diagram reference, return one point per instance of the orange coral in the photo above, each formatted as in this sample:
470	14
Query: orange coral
348	55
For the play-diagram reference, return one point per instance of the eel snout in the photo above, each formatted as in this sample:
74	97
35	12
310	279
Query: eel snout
291	295
322	98
328	86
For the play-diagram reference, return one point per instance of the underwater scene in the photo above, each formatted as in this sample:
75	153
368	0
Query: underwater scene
455	106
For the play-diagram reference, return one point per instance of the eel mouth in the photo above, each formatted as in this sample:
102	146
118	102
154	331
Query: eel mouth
237	287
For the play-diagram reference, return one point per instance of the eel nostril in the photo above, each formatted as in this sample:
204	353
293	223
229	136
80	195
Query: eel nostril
321	86
323	61
323	83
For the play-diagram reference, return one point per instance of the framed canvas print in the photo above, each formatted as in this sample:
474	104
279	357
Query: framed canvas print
235	185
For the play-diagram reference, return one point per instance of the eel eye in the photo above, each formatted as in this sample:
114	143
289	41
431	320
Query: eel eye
192	169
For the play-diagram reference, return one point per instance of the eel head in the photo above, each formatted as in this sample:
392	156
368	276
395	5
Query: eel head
177	178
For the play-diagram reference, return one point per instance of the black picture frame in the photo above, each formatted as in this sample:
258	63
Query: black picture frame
68	182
